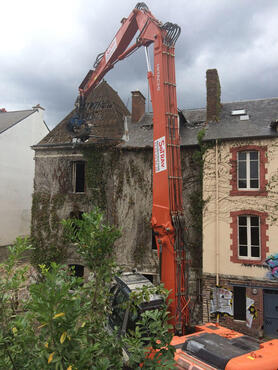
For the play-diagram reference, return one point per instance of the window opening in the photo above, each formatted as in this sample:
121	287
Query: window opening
249	245
239	303
248	170
154	247
149	277
76	215
78	270
79	177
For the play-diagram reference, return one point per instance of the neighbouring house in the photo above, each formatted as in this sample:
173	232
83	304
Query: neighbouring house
240	215
107	162
18	131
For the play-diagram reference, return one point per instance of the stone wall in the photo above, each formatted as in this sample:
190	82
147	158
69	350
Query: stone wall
120	183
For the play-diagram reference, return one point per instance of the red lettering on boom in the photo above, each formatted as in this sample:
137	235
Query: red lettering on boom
162	153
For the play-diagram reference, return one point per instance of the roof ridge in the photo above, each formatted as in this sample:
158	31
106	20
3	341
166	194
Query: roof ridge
14	119
203	108
231	102
16	111
250	100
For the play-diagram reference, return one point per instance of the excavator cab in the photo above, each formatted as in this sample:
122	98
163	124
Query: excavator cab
122	317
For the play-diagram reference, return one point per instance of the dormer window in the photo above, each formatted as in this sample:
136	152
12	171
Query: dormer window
238	112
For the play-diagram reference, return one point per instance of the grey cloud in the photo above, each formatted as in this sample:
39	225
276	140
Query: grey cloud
236	37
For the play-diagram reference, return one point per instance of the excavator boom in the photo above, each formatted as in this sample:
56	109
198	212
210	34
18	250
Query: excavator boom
211	346
167	212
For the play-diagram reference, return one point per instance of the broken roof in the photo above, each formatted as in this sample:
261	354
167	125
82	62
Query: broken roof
104	115
260	114
9	119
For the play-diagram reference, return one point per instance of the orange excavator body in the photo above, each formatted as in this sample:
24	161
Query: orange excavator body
167	211
215	347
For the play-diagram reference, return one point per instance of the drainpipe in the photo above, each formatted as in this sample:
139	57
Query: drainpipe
217	217
217	212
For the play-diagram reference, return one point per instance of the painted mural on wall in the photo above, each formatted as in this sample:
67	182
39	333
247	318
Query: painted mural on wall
272	263
221	303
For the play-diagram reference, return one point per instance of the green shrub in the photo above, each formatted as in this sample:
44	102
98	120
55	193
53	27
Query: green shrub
62	321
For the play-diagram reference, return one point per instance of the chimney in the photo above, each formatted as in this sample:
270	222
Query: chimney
39	109
138	106
213	95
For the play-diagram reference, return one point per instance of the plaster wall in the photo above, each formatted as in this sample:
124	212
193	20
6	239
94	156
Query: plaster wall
17	173
228	203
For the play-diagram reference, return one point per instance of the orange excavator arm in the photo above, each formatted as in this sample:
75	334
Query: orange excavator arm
140	19
167	212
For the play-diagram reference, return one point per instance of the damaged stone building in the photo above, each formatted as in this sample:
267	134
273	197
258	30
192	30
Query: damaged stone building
229	166
108	163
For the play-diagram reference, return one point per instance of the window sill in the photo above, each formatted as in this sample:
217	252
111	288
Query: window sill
246	261
253	193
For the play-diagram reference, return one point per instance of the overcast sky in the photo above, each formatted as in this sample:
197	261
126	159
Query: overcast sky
47	47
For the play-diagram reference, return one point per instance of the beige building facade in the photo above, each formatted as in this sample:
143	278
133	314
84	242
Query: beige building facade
223	205
240	230
240	213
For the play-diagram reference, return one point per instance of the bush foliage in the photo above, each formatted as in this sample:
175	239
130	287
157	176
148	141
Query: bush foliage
60	321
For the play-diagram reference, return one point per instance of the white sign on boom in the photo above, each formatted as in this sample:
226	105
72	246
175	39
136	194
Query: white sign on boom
160	154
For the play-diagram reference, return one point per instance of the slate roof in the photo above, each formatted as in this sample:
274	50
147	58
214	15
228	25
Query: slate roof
261	113
104	114
9	119
140	133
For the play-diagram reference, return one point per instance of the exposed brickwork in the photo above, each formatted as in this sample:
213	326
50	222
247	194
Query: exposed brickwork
263	171
234	236
208	283
213	95
138	106
252	286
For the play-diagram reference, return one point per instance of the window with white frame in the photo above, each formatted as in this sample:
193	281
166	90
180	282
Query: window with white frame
248	170
249	239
